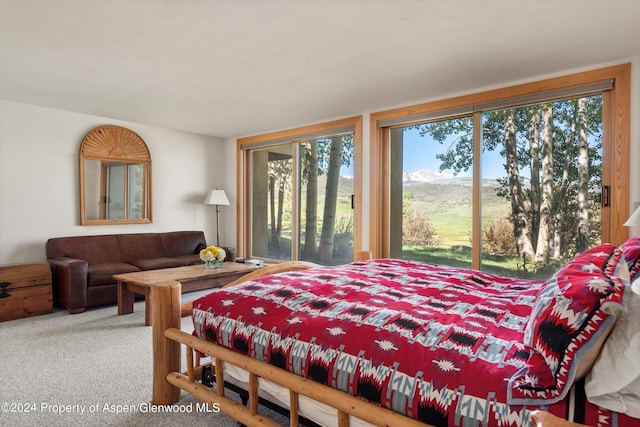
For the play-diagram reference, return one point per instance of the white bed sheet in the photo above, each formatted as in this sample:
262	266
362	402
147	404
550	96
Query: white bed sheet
309	408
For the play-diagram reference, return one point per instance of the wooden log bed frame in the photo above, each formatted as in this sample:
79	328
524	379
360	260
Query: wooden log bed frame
168	380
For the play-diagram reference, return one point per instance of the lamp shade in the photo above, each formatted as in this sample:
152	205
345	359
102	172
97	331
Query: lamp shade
634	219
216	197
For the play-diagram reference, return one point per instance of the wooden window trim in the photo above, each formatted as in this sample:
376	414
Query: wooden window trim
616	119
243	203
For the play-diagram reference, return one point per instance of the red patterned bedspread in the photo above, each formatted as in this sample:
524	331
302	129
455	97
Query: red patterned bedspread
435	343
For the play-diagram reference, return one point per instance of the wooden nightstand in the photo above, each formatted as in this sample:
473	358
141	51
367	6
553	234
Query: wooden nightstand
25	291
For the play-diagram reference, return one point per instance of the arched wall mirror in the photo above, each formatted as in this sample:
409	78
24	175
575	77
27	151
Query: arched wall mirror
115	177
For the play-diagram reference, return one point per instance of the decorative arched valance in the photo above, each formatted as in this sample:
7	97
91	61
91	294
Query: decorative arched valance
116	143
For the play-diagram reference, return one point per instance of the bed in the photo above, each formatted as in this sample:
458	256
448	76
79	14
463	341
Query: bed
392	342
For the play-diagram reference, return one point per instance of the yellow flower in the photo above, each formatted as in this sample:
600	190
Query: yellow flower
212	253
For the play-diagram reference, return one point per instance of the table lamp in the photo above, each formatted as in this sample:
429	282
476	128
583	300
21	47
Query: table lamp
218	198
634	219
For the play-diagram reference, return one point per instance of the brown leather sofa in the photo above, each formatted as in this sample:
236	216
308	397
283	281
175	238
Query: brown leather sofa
82	266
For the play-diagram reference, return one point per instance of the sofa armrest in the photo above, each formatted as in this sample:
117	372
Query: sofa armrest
230	254
69	279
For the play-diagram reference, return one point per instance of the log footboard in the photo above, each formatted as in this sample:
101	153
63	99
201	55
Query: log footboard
165	306
344	403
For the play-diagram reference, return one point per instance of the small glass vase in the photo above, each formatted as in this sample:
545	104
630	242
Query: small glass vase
210	265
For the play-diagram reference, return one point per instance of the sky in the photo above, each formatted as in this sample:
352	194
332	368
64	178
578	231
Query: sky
420	153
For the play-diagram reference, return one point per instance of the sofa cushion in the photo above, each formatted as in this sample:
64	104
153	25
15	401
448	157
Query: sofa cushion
231	254
141	246
155	263
178	243
93	249
189	259
102	274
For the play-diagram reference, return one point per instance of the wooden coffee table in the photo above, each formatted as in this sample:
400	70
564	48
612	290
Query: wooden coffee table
191	278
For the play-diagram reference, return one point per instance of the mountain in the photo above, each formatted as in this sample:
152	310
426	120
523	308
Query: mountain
443	178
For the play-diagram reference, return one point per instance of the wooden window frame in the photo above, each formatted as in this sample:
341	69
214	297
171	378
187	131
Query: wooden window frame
243	150
616	124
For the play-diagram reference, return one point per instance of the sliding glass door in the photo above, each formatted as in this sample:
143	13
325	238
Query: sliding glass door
545	162
302	200
431	202
537	186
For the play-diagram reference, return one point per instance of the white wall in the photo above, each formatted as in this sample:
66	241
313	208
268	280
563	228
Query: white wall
228	221
39	186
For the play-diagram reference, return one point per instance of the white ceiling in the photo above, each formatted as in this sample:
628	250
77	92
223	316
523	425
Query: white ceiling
230	68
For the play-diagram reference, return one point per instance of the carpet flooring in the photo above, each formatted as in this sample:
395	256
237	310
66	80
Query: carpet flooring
89	369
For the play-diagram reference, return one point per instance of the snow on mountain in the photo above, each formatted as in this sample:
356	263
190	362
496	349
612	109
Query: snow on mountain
425	176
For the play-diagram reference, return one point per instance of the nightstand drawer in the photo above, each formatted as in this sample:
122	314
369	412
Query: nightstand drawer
25	291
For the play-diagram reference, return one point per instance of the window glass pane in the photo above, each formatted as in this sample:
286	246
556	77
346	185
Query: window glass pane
135	191
271	208
115	192
541	178
326	187
431	192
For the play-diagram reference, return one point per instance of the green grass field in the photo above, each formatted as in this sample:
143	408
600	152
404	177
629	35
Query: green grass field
449	209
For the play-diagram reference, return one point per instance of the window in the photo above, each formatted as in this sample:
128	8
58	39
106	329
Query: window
122	186
299	192
509	181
